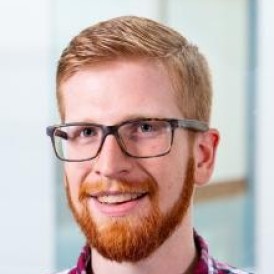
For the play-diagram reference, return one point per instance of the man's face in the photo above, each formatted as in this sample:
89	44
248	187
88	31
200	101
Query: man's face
127	207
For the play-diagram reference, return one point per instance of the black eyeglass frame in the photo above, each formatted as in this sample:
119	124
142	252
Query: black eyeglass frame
189	124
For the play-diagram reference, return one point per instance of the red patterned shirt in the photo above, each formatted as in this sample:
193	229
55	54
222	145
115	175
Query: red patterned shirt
205	263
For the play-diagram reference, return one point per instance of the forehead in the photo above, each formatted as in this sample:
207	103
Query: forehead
115	91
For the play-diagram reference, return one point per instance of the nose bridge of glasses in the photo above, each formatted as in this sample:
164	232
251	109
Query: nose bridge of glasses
111	130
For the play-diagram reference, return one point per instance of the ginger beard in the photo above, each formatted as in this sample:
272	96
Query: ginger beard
123	239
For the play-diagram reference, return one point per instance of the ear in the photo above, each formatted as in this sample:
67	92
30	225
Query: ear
205	146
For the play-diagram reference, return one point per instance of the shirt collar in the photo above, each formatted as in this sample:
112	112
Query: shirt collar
203	264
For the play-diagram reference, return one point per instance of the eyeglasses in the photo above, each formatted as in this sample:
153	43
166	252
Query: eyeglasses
140	138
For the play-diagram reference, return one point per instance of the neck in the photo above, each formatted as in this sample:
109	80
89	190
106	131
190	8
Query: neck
176	255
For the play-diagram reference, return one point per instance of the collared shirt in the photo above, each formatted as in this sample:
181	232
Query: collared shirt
205	263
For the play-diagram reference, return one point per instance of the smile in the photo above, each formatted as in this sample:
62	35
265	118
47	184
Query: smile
118	198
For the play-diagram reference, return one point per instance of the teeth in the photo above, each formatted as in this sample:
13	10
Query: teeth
118	198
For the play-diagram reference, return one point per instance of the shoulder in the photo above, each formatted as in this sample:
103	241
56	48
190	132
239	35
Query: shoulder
207	264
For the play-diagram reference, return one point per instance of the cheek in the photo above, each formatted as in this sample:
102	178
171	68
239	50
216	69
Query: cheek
173	172
75	174
170	188
169	175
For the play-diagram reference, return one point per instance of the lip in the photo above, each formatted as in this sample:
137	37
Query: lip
116	209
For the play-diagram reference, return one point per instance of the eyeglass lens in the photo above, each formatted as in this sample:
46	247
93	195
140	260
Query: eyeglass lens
137	138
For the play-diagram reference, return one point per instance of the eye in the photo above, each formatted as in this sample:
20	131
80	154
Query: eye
88	132
82	132
150	127
146	127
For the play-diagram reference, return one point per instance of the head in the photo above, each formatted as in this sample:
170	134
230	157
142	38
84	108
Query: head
119	70
140	38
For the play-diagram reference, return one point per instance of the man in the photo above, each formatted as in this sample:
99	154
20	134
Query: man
134	98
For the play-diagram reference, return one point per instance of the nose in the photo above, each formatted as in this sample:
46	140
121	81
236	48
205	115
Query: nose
112	162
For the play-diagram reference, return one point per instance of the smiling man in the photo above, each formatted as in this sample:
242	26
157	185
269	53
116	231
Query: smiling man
134	98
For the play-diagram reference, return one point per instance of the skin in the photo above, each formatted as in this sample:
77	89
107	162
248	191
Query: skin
120	90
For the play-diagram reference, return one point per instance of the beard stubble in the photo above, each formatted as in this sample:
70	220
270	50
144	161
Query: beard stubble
121	239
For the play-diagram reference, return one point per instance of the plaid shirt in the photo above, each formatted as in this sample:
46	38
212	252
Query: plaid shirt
205	264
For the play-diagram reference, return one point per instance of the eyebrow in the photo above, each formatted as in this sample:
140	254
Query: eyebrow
130	117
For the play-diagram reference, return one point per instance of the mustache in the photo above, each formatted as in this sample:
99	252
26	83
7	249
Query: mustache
104	187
